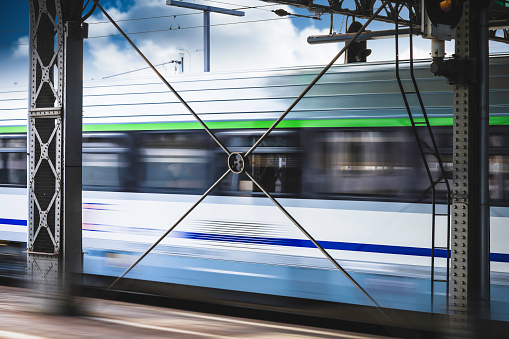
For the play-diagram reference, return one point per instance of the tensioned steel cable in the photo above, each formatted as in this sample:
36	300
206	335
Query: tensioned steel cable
315	80
162	78
306	90
296	101
310	237
171	228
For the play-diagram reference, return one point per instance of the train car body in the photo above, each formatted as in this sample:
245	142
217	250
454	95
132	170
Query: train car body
343	163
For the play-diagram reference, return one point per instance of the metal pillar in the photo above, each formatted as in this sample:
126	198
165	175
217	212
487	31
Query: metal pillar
54	251
72	253
470	230
484	149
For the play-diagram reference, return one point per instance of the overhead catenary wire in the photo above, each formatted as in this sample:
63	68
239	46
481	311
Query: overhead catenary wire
170	15
182	28
159	16
147	18
140	69
14	30
246	7
167	29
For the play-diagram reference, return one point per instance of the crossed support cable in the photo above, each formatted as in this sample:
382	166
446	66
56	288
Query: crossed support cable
236	161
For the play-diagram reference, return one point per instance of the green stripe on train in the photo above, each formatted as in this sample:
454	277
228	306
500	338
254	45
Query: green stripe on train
264	124
13	129
393	122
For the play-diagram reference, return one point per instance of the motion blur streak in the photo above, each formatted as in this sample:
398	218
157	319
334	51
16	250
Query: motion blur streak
152	327
280	327
18	335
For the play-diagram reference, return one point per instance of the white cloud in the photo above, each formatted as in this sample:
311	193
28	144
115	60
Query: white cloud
266	43
21	51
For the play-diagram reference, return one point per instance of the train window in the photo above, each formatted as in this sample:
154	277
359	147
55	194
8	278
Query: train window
13	160
275	164
246	139
499	167
174	161
105	161
361	162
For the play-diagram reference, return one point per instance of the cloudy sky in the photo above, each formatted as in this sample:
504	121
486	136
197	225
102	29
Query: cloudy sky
258	40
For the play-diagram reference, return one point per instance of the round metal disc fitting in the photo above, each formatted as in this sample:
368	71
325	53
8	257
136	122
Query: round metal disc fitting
236	162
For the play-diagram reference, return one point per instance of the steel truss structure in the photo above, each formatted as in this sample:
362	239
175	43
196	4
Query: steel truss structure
363	9
45	140
54	133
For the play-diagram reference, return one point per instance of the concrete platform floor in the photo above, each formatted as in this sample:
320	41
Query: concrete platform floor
21	317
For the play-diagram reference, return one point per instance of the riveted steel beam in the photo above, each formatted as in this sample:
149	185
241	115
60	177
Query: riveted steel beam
54	120
470	227
45	144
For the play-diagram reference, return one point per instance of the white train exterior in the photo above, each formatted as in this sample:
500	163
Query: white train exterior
343	163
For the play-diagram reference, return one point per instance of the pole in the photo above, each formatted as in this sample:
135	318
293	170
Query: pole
72	172
181	55
484	234
206	41
206	23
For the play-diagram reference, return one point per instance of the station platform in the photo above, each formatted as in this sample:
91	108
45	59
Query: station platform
21	317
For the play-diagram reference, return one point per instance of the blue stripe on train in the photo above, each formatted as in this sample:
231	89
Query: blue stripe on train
17	222
329	245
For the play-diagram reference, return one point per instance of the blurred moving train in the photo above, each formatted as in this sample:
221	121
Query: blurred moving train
344	163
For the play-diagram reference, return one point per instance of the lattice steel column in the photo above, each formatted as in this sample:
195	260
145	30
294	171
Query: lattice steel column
45	140
469	235
52	196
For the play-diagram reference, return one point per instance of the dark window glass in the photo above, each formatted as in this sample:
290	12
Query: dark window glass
499	165
275	164
13	161
361	162
174	161
498	168
105	161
